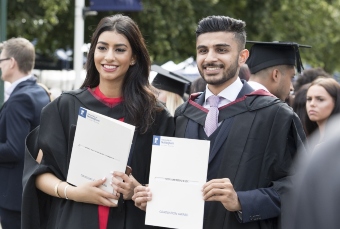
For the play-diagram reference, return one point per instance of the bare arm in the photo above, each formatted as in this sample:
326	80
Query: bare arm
86	193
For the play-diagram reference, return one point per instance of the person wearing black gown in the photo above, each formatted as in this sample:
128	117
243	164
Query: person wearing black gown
255	140
116	85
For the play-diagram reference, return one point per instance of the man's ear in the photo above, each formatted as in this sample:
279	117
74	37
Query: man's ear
243	56
13	63
275	75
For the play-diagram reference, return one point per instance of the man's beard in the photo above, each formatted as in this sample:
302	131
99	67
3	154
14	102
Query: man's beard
229	74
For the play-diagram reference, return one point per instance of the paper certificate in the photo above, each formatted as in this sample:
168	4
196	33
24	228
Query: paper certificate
101	145
177	174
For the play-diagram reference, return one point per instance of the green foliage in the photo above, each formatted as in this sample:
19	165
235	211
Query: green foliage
40	20
167	40
169	25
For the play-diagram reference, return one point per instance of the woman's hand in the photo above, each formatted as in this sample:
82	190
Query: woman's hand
141	197
124	184
91	193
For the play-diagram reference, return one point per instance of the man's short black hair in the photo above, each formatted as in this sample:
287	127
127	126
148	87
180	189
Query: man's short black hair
223	24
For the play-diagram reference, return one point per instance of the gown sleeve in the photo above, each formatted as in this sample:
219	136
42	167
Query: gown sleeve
266	203
49	137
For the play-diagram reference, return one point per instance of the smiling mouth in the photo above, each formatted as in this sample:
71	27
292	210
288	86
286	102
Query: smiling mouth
212	66
111	67
212	69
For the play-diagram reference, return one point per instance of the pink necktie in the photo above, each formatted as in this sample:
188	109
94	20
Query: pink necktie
211	123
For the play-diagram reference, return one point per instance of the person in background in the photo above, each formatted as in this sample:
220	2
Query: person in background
272	66
323	101
308	76
253	135
169	87
19	115
198	85
48	92
315	200
116	85
298	98
244	73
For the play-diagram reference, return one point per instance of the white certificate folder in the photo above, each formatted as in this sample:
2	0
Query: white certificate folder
101	145
177	174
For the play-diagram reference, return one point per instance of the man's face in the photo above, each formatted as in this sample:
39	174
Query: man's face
4	65
217	57
285	84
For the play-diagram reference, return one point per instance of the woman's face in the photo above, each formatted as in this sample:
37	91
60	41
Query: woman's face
319	104
113	57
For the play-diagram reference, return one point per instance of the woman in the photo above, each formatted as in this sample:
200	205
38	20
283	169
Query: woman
116	85
323	101
170	99
169	88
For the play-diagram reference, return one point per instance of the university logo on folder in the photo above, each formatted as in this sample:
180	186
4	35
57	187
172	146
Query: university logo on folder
82	112
156	140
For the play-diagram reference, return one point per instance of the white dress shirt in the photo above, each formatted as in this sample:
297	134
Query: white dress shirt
228	95
257	86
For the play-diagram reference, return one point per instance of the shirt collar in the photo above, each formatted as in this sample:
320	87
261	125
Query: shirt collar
230	93
11	88
257	86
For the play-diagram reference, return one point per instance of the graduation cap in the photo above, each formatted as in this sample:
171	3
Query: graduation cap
169	81
267	54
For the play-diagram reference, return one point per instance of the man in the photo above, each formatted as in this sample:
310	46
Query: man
272	66
254	141
18	116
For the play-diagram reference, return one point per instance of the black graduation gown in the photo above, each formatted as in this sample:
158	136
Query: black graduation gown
254	148
55	137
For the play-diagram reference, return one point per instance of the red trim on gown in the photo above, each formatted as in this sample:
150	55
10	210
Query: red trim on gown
103	212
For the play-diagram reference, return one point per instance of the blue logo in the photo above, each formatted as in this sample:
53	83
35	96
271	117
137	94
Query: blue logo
82	112
156	140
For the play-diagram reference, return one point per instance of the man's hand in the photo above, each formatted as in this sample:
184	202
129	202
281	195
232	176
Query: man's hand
222	190
141	197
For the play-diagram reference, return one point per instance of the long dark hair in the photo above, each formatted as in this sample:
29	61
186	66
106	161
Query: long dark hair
139	101
299	106
333	89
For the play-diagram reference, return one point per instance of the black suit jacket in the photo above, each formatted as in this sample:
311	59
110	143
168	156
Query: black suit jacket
19	115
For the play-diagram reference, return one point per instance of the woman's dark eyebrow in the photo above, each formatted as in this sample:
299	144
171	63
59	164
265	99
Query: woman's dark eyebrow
116	45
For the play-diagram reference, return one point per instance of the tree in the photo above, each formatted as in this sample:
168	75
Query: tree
48	23
311	22
169	26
